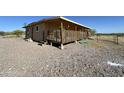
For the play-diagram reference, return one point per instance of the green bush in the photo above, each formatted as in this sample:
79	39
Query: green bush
8	33
93	32
2	33
18	33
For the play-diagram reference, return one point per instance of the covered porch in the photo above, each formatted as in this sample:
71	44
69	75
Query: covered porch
61	31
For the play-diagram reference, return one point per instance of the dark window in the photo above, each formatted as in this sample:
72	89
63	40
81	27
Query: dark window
32	28
27	29
48	32
36	28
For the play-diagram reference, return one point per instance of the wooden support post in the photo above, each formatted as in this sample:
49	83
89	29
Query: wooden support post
82	34
56	35
61	31
87	34
62	36
76	33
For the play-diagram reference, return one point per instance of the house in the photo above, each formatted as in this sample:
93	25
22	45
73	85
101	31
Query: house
57	30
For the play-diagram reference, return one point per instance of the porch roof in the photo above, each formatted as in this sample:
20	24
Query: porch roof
54	18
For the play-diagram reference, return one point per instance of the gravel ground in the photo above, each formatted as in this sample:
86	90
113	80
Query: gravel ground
21	58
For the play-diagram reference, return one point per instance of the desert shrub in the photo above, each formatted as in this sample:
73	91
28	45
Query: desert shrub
8	33
18	33
93	32
2	33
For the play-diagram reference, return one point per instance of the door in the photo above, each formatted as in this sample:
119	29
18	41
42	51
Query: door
43	36
32	34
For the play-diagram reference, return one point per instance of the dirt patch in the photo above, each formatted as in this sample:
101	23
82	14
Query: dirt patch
22	58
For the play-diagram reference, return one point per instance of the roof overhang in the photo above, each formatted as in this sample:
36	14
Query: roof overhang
63	18
58	17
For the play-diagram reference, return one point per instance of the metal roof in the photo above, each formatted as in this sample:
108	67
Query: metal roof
58	17
72	21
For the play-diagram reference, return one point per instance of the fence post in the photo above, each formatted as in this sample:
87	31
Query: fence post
97	37
117	39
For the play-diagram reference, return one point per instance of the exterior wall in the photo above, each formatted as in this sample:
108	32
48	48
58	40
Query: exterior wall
28	33
31	32
51	31
72	32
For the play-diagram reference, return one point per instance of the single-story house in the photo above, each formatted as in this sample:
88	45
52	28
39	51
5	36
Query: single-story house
58	30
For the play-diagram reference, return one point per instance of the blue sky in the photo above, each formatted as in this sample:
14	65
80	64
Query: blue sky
102	24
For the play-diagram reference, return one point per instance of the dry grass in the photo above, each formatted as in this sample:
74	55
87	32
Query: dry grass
95	44
109	39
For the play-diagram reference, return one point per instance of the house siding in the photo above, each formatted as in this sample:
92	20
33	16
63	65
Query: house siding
56	32
31	32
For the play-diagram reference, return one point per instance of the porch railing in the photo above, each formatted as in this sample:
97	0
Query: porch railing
68	35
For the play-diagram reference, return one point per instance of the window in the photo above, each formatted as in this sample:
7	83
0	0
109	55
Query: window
32	28
27	29
48	32
36	28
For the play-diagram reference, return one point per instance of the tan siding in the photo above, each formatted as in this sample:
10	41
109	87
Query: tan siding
38	35
70	32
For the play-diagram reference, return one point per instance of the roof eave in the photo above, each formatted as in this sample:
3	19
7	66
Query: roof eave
73	22
58	17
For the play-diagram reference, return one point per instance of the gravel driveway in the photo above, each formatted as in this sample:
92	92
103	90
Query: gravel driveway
21	58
